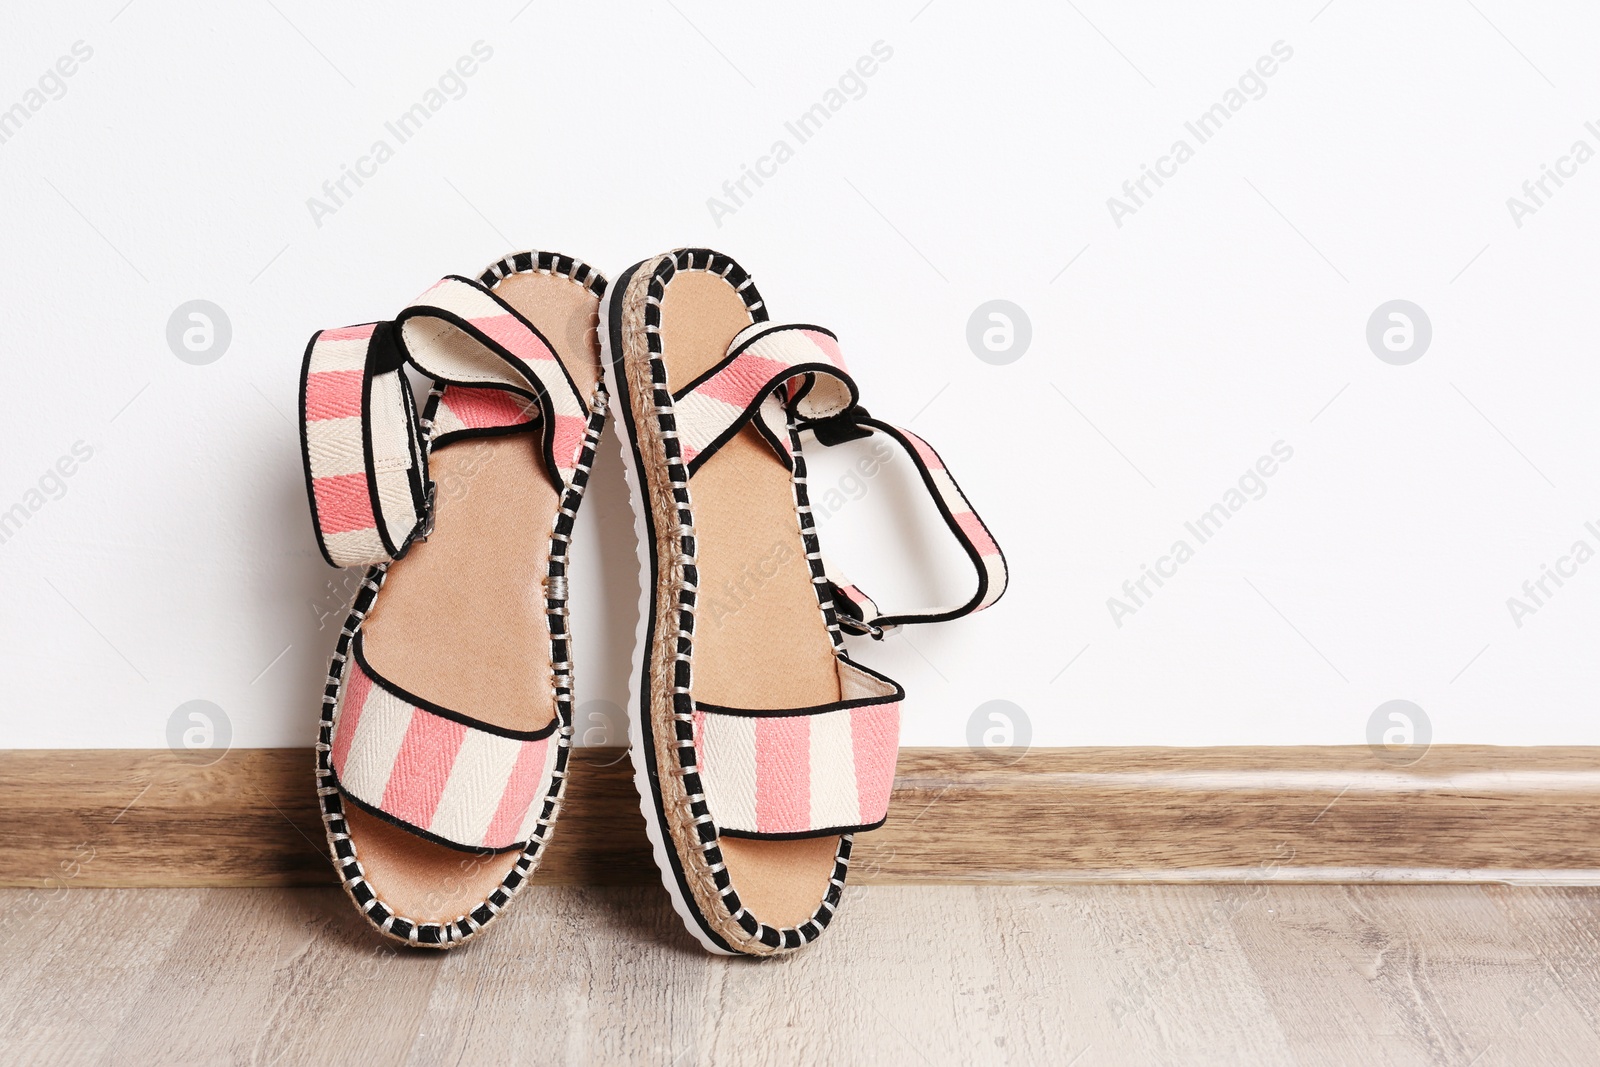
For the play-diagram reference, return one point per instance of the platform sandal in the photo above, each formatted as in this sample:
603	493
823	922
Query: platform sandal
760	745
446	721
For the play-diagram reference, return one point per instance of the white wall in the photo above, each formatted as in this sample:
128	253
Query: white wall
1225	315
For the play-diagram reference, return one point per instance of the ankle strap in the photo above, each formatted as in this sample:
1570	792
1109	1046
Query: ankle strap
364	444
783	378
859	613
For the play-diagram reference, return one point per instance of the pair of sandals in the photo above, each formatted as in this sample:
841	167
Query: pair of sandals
759	745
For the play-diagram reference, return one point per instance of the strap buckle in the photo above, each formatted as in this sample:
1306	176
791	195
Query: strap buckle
428	512
862	628
425	524
850	617
845	426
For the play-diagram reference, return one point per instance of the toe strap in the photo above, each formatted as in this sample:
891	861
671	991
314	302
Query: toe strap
442	775
802	772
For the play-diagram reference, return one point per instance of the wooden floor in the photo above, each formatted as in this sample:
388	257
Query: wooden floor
1085	975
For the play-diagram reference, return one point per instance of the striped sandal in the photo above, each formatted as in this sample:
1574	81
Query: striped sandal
447	717
759	745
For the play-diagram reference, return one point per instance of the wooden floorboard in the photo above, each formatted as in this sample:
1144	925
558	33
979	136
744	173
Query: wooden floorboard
1086	975
150	818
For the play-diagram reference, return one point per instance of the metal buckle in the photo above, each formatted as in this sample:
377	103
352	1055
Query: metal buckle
428	512
862	628
854	626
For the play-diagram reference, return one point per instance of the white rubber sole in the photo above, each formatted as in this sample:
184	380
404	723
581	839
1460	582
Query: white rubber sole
621	421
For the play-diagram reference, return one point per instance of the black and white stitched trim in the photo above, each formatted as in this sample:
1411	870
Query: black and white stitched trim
545	263
331	802
700	259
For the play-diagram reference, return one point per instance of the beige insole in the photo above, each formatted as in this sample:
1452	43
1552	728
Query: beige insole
461	621
759	642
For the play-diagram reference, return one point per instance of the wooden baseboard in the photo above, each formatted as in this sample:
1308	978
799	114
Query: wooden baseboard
1476	813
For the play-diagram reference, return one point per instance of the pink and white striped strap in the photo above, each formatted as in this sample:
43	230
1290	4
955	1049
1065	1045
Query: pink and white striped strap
461	333
434	771
770	367
775	371
363	442
858	612
462	410
807	772
365	458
